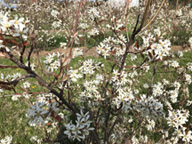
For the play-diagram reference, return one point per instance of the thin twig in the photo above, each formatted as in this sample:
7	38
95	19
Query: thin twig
15	82
22	52
6	66
152	19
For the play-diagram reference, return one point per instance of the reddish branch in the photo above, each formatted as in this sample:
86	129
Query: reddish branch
6	66
40	81
135	32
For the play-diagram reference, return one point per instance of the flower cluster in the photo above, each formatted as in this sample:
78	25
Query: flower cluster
125	97
116	3
81	129
90	66
6	140
157	89
190	41
177	119
174	93
16	27
112	47
149	106
10	77
35	139
120	79
156	48
91	89
52	62
40	112
26	85
54	13
74	75
93	13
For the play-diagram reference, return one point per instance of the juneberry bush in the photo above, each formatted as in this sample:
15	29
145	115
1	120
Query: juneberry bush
130	92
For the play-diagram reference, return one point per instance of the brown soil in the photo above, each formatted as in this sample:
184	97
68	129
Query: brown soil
92	51
86	51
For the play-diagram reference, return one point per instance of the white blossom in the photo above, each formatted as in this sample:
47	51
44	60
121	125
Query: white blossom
80	129
37	113
6	140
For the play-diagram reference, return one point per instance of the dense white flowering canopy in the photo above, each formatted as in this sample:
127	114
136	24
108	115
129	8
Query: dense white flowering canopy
134	87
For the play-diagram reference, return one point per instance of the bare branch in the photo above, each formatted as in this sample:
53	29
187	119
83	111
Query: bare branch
22	52
6	66
145	15
135	32
29	55
155	15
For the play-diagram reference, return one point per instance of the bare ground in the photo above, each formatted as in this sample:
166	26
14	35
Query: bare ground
92	51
